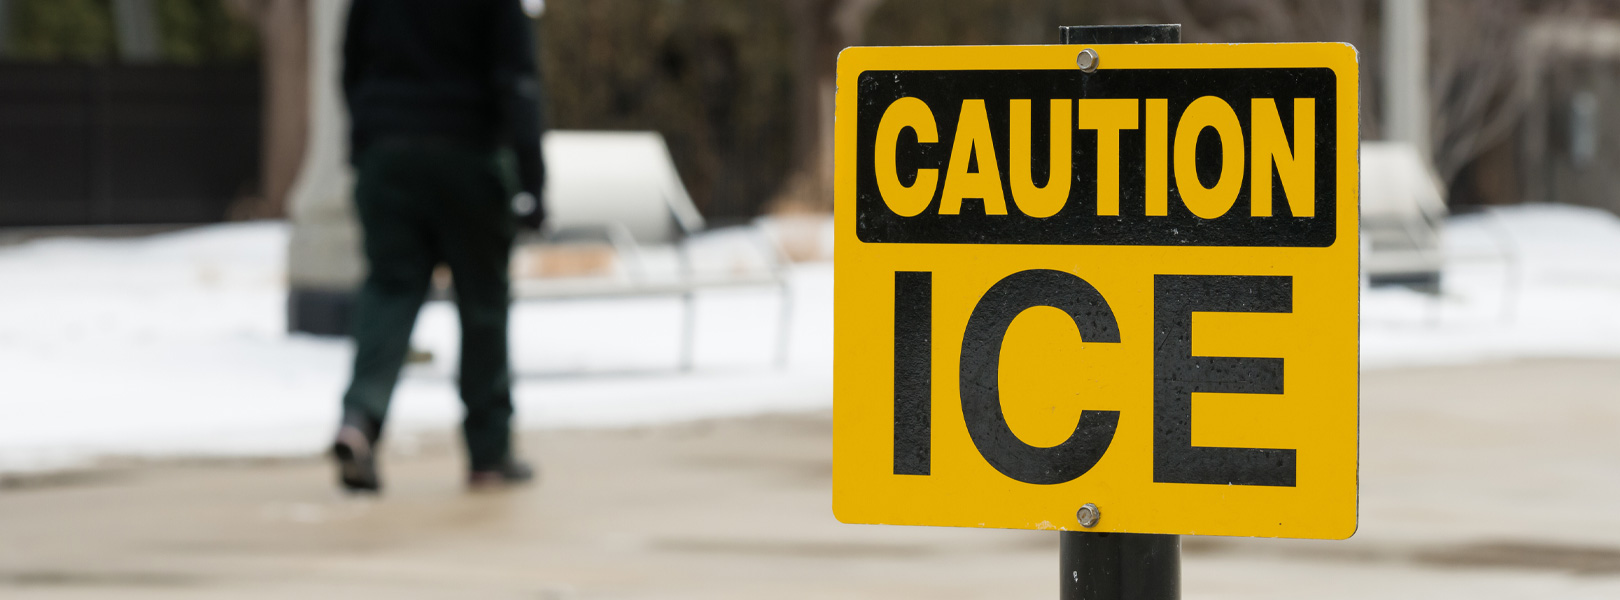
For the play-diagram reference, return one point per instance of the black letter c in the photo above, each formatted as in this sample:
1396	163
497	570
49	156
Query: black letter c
981	370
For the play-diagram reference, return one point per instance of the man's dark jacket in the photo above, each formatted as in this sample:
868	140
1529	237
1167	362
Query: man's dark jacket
456	70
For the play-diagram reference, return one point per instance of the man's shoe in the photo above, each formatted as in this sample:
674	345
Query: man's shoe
513	472
355	453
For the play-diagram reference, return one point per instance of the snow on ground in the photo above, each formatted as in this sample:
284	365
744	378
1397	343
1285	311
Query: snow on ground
1531	281
174	344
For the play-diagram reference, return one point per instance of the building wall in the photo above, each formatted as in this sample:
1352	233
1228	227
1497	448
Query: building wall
1566	146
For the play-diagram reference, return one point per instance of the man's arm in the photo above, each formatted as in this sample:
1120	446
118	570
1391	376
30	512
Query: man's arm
517	85
353	61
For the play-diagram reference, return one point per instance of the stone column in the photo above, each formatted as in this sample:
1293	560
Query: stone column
324	264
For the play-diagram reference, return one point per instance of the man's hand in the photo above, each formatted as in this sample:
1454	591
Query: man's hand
529	210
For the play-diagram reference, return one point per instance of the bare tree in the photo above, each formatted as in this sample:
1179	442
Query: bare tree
284	53
1477	90
825	27
1232	20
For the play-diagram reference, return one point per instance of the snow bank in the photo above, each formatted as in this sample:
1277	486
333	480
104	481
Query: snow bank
174	344
1533	281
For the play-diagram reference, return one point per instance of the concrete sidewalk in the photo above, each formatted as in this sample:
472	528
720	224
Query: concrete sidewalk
1495	481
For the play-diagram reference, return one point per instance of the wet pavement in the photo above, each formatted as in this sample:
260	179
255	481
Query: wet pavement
1490	481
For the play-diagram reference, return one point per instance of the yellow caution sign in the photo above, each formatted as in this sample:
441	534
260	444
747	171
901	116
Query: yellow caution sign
1134	287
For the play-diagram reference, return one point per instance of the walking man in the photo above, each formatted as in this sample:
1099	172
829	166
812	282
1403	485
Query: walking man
444	103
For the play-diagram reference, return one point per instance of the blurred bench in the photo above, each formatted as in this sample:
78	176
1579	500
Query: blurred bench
619	192
1402	212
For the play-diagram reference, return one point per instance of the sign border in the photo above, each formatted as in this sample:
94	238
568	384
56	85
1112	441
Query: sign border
1342	59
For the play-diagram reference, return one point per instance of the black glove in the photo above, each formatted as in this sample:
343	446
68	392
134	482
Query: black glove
529	205
530	210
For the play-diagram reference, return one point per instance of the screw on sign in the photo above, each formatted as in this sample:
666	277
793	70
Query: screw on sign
1063	287
1088	515
1087	60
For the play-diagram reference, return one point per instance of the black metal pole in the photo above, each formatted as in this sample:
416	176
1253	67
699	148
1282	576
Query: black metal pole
1120	566
1120	34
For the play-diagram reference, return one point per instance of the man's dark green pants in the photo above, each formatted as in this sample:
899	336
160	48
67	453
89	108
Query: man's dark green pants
423	202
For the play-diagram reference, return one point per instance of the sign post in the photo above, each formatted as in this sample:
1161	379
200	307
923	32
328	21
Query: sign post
1120	566
1109	290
